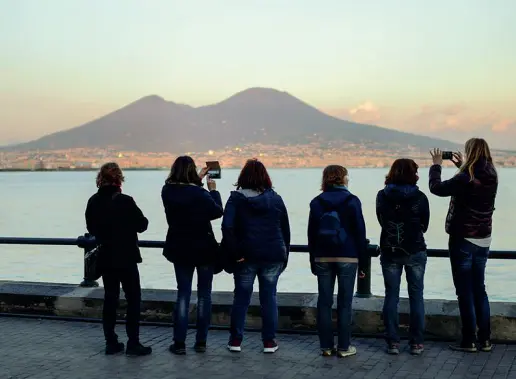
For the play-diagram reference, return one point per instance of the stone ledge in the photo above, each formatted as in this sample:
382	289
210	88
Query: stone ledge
297	311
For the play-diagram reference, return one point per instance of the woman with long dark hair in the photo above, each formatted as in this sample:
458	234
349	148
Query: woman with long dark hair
191	245
469	225
338	246
403	213
115	220
256	234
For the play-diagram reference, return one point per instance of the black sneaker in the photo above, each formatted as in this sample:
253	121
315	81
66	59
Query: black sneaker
465	347
137	350
486	346
178	348
200	347
114	348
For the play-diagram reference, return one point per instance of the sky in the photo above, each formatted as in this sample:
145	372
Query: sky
441	67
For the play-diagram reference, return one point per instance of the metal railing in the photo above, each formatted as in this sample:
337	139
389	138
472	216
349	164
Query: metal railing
86	242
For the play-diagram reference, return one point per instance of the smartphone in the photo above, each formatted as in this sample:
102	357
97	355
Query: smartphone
447	155
214	171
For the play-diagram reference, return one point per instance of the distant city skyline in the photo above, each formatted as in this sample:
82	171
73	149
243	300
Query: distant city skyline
444	68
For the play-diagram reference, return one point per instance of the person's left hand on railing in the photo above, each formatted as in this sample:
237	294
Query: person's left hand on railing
437	156
361	275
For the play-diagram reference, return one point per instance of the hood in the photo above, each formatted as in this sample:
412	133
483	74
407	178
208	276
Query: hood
404	191
335	195
258	201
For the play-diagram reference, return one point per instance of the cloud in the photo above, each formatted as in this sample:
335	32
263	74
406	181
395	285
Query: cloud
456	122
366	112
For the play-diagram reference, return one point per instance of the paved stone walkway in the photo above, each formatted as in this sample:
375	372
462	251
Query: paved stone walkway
42	349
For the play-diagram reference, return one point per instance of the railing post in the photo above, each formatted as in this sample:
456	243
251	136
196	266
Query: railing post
87	247
364	284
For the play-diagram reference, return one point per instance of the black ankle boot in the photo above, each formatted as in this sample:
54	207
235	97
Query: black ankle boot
178	348
114	347
137	349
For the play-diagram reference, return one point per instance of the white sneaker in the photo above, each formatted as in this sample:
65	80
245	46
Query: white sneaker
352	350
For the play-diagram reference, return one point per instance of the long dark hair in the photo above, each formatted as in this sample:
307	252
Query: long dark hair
254	176
403	172
184	171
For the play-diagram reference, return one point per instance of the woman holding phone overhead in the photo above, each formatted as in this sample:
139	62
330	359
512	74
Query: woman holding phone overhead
191	245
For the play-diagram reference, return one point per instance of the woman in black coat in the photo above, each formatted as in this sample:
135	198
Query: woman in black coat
191	245
114	220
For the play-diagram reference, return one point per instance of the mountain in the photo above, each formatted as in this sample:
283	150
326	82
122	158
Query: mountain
256	115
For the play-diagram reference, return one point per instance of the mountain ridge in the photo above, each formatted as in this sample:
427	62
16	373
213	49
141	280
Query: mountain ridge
254	115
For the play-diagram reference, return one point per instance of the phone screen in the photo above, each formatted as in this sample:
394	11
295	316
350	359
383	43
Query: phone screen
214	171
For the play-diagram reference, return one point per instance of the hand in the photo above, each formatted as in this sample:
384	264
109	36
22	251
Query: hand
437	156
212	185
240	260
203	172
361	275
457	159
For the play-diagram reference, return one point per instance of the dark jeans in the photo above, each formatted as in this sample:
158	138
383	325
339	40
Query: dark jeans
244	275
468	263
184	276
392	269
327	274
129	277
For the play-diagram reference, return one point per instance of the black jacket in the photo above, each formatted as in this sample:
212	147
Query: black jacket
470	214
349	209
190	209
255	227
403	213
114	220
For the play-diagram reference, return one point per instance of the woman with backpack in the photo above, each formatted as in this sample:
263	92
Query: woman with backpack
337	244
403	213
191	245
469	225
256	235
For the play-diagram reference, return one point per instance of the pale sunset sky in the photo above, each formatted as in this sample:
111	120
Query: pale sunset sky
441	67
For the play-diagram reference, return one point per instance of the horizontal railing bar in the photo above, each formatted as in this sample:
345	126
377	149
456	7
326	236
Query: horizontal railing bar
88	242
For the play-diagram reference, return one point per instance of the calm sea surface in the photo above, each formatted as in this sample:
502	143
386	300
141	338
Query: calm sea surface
52	204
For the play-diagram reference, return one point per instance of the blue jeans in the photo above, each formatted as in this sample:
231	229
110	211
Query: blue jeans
468	263
244	275
392	269
184	276
327	274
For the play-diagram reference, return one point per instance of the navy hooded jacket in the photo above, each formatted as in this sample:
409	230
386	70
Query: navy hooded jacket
402	235
352	219
190	209
256	227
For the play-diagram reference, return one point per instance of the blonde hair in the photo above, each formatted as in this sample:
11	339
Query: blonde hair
475	149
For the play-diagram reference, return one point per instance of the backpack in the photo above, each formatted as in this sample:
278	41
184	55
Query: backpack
397	214
331	235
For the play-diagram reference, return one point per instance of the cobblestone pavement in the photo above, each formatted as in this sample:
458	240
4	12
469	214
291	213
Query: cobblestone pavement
42	349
